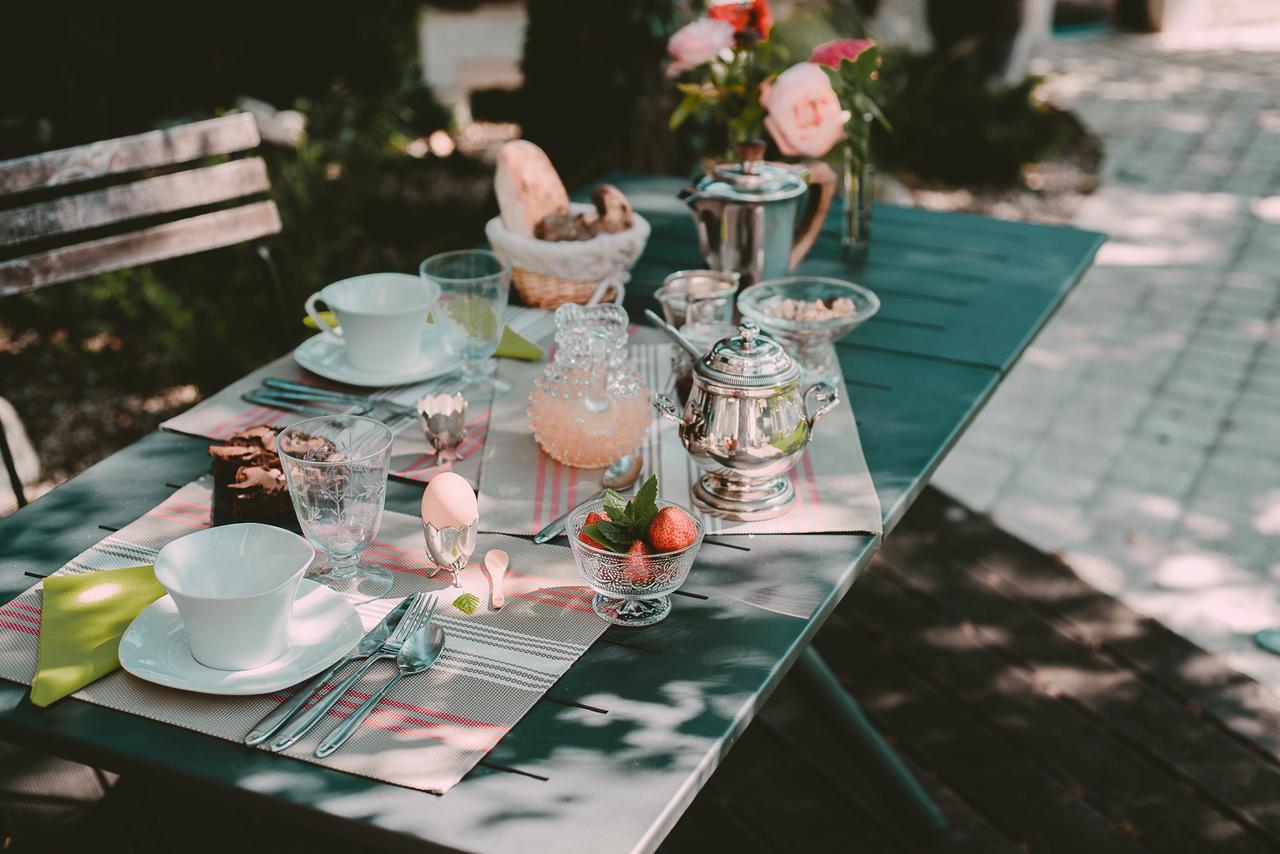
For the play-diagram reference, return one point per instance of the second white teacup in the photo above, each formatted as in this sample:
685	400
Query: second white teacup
381	318
234	587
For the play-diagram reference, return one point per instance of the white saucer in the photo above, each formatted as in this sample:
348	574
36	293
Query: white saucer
321	355
325	627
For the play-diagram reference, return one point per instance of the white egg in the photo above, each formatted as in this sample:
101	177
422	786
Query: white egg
449	502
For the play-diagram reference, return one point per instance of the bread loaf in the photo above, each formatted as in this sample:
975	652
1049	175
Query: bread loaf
527	187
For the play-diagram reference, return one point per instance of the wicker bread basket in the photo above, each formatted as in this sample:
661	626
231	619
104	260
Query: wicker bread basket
549	273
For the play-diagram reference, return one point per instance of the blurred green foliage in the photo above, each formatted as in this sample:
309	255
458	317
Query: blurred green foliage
594	95
951	127
351	200
951	124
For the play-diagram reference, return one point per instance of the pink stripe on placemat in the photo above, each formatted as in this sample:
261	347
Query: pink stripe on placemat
573	493
21	606
539	485
18	615
556	471
20	627
424	711
810	482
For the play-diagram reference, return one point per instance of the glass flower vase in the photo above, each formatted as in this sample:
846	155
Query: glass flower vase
857	191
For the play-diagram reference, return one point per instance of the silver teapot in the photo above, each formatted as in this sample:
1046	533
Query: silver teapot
746	425
759	219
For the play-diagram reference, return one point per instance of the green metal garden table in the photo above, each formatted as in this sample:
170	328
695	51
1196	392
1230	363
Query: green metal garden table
617	750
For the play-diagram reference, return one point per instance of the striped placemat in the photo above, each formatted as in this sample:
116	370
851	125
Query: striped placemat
412	457
522	489
433	727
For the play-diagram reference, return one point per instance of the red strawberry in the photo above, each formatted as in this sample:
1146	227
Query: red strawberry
592	519
671	529
635	567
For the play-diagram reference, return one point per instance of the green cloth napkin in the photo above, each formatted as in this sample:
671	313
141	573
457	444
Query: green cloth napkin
81	623
512	346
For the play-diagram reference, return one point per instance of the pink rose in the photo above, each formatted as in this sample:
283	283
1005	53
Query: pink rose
832	53
804	118
697	44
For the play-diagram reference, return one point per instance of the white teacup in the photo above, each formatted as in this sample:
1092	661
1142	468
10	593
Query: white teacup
381	318
234	587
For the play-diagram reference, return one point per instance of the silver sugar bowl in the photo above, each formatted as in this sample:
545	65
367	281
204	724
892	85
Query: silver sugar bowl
746	425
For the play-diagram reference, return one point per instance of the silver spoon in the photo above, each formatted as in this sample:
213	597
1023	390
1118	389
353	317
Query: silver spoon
674	334
620	474
419	652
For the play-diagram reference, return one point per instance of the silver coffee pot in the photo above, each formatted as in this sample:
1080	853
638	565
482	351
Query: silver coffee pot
759	219
746	425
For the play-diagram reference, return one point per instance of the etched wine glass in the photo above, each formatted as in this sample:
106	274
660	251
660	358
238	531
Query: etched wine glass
469	314
336	467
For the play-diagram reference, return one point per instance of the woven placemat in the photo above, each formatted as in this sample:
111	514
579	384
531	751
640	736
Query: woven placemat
521	489
432	728
412	457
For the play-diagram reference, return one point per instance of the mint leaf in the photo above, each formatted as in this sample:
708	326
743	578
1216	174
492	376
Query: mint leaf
467	603
595	533
645	505
615	505
619	537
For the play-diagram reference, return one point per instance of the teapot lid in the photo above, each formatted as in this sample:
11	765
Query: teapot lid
752	179
748	360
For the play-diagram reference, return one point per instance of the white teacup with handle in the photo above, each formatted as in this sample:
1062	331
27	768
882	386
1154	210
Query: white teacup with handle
380	318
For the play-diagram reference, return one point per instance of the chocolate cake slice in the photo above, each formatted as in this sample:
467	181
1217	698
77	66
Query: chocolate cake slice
248	482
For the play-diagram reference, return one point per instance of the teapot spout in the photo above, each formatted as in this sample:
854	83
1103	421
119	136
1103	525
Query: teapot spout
667	407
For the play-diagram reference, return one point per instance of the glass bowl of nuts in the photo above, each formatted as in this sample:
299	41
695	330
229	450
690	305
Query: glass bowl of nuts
808	314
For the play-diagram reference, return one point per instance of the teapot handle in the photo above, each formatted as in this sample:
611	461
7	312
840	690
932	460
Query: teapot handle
826	396
822	178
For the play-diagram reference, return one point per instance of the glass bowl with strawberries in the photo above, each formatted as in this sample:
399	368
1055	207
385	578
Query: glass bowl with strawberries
634	553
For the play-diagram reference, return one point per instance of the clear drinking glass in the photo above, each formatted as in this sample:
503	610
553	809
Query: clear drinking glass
336	467
473	298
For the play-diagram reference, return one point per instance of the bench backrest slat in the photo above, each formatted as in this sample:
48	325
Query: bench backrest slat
151	150
165	193
170	240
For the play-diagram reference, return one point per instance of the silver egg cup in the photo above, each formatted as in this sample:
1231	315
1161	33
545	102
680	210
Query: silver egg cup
444	422
450	548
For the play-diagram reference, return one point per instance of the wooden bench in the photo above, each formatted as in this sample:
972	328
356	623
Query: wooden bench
91	209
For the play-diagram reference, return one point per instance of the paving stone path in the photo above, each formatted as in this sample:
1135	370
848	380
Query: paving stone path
1140	437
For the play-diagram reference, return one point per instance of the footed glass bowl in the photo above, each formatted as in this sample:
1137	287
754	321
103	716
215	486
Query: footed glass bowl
631	590
811	342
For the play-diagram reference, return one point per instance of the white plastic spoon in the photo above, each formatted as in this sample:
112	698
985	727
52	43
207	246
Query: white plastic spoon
496	561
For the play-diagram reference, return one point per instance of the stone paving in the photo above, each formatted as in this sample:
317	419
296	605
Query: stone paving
1140	437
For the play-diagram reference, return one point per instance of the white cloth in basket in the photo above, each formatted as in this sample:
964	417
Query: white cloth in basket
605	259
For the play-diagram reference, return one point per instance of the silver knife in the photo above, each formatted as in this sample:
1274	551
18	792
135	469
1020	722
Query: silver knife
301	391
286	404
368	645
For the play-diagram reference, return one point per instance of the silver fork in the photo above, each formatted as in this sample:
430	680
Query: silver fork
418	617
419	652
